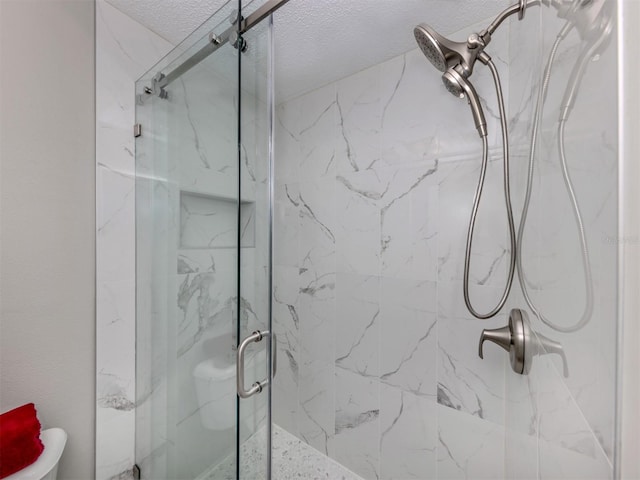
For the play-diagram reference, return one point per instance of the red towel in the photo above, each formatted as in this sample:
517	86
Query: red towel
20	443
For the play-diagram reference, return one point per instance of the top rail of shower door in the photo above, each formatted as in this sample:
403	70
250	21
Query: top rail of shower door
217	41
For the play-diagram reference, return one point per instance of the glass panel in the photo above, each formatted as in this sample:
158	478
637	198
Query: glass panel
559	422
255	262
188	253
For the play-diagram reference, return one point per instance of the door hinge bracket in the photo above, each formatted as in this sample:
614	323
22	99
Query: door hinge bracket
137	130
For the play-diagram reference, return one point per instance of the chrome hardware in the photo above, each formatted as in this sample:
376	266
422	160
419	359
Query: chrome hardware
513	338
215	39
137	130
262	12
522	4
256	387
158	87
474	41
238	42
522	343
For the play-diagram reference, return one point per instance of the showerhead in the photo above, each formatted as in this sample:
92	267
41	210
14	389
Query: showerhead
455	60
431	44
444	53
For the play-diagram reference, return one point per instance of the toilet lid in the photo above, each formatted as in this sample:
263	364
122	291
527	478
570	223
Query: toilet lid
54	440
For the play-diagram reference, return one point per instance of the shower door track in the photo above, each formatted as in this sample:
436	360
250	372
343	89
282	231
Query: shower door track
216	41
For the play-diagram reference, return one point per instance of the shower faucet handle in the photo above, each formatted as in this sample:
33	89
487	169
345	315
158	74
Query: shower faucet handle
522	343
499	336
513	338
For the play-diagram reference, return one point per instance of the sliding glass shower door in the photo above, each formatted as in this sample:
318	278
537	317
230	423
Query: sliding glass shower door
203	264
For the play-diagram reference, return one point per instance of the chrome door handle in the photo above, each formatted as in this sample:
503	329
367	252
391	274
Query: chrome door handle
257	387
274	357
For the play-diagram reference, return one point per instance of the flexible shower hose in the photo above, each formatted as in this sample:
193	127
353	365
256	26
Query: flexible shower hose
588	309
476	204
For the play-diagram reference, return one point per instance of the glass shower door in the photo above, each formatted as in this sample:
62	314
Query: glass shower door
560	416
202	256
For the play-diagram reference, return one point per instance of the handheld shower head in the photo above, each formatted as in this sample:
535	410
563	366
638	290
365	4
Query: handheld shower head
461	87
594	23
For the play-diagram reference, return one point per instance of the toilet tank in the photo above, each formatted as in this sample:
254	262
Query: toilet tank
46	466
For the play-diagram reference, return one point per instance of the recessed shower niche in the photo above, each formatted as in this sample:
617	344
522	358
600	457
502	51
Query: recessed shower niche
209	221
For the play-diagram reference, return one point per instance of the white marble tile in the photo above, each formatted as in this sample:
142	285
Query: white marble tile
116	441
567	442
316	411
357	334
356	443
287	145
205	144
115	217
409	435
491	248
317	133
317	241
466	382
409	222
286	324
468	447
286	226
408	335
116	383
521	425
358	238
359	121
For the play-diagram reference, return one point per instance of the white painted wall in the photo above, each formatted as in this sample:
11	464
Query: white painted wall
47	269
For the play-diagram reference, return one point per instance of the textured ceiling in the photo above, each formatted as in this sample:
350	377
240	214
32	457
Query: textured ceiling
318	41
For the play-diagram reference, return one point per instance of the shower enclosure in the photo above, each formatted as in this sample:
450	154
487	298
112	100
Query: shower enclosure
203	211
320	222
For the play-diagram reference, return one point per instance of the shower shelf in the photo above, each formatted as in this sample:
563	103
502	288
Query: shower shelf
210	221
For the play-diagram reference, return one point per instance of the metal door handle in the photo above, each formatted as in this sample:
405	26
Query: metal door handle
257	387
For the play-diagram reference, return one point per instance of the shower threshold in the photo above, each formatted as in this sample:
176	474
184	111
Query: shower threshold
292	458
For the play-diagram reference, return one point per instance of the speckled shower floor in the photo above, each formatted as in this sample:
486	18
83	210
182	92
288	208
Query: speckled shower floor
292	459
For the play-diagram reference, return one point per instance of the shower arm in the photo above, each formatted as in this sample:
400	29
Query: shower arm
563	7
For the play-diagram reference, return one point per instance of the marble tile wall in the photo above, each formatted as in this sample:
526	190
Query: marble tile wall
124	51
375	176
374	181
